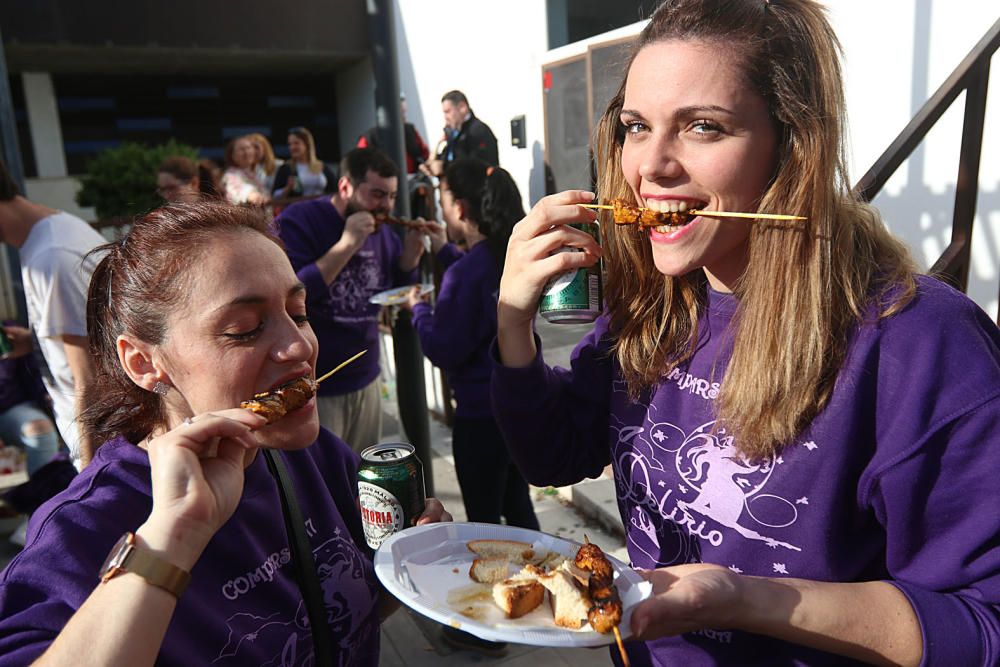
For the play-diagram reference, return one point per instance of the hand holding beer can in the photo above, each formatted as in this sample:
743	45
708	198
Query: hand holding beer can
575	296
390	490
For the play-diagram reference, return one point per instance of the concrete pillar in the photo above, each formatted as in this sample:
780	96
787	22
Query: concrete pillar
355	88
43	121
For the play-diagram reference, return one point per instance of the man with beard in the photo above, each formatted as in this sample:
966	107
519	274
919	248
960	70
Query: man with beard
343	255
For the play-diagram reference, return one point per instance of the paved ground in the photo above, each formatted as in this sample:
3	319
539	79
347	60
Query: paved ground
413	640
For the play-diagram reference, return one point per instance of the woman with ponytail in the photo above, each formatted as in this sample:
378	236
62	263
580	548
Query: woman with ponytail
179	492
483	203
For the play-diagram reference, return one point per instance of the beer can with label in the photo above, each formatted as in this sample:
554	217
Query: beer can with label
5	345
390	490
574	296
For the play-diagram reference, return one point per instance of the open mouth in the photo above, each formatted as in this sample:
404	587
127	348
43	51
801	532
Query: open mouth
673	214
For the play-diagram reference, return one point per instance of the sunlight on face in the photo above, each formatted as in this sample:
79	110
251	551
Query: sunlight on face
242	330
697	135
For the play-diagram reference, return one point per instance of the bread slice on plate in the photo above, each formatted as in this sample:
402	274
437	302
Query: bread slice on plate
489	570
512	550
569	599
517	597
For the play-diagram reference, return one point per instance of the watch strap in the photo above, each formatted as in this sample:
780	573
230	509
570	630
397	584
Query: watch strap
157	571
127	556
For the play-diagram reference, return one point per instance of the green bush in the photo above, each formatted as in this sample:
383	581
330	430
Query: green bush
121	182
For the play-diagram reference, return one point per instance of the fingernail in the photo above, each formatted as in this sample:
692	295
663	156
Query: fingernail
589	195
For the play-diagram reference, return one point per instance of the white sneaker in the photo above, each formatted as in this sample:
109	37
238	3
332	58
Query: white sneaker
20	534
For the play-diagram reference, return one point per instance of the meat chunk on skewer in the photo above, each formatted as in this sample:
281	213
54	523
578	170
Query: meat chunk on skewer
625	214
276	403
606	612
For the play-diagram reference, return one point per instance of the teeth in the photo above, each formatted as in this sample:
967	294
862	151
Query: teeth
682	206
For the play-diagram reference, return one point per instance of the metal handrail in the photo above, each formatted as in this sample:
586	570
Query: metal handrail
972	76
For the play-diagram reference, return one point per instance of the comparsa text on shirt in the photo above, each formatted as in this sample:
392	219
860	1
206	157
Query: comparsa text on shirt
264	572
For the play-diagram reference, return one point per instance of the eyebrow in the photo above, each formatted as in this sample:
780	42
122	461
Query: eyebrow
254	299
685	112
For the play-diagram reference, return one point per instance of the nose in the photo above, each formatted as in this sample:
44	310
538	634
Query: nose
660	159
295	344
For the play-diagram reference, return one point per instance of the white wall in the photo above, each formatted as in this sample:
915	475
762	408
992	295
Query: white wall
897	52
492	52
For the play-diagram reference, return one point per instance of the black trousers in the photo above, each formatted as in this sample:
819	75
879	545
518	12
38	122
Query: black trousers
491	484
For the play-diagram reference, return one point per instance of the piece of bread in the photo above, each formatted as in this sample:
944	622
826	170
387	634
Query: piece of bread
569	599
518	597
515	552
489	570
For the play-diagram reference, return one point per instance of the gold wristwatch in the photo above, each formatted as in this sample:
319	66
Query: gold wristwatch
127	556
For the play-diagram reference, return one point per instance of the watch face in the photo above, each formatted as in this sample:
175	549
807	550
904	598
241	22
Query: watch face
116	557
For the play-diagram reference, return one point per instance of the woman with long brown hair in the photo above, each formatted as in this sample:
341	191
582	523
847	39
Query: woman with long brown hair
303	174
792	414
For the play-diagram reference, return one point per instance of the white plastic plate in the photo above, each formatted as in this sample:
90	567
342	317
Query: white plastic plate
422	565
397	295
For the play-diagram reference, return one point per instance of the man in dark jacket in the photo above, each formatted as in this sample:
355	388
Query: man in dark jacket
467	135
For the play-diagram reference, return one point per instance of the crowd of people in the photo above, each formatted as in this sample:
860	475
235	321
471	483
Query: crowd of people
802	430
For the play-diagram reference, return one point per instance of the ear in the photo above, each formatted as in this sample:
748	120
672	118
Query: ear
463	210
137	358
344	187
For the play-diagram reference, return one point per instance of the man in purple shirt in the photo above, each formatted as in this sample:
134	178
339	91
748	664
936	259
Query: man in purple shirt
344	255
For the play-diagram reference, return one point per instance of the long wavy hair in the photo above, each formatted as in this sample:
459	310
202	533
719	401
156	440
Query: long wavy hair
805	287
135	287
492	198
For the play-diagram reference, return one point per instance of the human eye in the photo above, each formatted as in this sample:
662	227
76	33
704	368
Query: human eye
633	127
244	336
301	320
707	128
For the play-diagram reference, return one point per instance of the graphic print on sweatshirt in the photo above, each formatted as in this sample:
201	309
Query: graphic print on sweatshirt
349	292
687	491
340	567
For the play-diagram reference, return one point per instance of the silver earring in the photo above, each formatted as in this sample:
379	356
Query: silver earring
161	389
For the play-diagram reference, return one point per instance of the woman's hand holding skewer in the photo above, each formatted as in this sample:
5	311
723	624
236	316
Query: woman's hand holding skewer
197	472
533	259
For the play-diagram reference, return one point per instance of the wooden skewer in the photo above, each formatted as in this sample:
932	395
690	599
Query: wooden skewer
341	365
621	647
715	214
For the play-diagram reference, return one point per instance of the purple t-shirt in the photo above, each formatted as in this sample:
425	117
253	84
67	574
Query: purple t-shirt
456	333
896	479
344	321
242	606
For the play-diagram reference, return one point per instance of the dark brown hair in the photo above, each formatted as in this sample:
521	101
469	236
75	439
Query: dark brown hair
494	202
359	161
138	283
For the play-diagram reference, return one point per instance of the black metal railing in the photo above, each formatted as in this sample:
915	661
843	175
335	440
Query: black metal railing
971	76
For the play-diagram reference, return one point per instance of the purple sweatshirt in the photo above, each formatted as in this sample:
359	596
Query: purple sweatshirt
895	480
344	322
456	333
242	606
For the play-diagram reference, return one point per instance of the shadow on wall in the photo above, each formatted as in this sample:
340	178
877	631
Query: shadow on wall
929	233
542	181
922	217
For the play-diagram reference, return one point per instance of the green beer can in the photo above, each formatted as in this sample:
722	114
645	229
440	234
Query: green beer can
390	490
5	345
575	296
